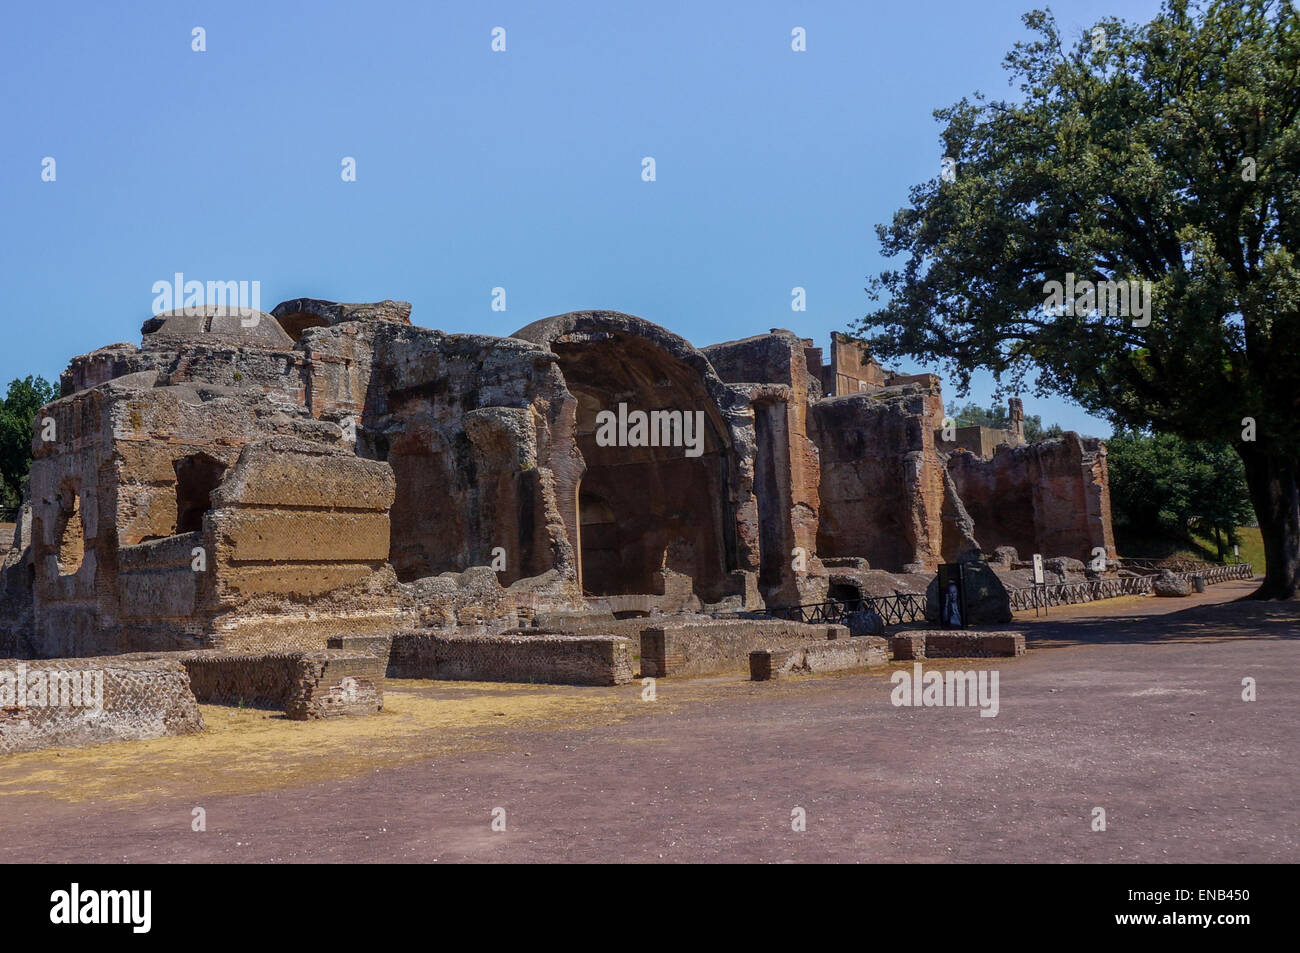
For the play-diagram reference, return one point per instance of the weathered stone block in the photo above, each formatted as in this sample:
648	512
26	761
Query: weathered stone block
940	643
555	659
255	535
1171	584
710	648
332	683
814	657
378	645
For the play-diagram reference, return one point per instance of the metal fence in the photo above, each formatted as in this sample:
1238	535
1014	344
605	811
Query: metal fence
8	514
1172	563
897	609
1071	593
904	607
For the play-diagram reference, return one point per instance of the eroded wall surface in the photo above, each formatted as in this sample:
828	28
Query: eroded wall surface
1051	497
882	486
254	482
772	372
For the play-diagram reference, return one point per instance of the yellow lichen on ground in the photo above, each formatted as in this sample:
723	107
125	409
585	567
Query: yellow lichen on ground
246	749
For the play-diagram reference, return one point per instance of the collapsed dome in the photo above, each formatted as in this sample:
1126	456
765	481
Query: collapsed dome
220	324
297	315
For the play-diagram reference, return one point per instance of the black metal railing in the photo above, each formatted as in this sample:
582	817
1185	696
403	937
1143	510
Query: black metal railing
898	609
1072	593
904	607
1172	563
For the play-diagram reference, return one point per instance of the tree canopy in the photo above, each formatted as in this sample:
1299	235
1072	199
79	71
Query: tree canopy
1165	155
17	414
1162	484
999	418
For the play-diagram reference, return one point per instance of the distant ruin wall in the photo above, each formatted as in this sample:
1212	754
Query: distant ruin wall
850	369
981	441
1051	497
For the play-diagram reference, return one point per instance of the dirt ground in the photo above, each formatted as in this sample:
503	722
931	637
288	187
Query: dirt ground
1131	705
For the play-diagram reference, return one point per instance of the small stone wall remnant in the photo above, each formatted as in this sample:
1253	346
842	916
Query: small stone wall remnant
304	685
66	702
832	655
942	643
721	646
553	659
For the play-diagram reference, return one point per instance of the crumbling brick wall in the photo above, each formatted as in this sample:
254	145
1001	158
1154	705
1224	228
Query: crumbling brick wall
1051	497
484	426
882	484
304	685
773	373
99	700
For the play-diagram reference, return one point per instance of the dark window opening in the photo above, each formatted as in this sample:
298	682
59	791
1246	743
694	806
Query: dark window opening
71	531
843	592
196	477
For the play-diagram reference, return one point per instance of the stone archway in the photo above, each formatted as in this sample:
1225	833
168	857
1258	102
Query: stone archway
656	504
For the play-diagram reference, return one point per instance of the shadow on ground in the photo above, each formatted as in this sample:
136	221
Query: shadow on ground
1244	619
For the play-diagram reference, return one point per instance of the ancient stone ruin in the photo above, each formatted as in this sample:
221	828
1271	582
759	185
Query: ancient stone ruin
251	481
329	473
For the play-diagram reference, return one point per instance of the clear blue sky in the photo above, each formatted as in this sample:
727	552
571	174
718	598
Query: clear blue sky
478	169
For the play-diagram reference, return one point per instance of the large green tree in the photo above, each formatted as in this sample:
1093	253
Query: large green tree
1163	485
999	418
1168	153
17	415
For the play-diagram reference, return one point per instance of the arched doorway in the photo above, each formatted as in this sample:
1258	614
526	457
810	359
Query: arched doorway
654	504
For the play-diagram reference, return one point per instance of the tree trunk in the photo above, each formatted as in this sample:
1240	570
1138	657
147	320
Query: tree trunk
1271	480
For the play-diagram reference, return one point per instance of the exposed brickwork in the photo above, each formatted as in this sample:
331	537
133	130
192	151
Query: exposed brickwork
329	684
255	681
304	685
136	700
908	645
377	645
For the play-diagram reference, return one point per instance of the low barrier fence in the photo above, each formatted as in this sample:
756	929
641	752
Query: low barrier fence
1072	593
897	609
904	607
